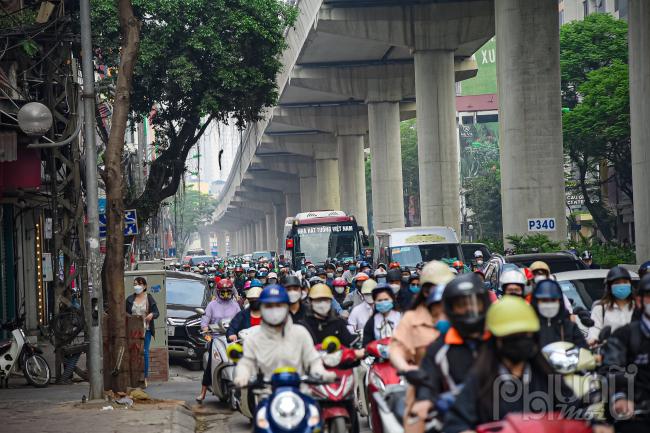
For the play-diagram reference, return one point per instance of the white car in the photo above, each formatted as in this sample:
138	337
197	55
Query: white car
585	286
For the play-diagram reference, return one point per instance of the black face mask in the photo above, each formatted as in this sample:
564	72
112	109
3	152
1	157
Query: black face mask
254	305
518	348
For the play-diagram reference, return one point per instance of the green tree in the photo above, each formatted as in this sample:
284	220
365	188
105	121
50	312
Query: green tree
410	170
200	60
593	58
192	211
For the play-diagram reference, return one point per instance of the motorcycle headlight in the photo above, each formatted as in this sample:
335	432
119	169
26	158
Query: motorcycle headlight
376	381
314	416
287	410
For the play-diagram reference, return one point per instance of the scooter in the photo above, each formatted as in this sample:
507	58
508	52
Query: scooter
382	378
222	370
287	409
337	399
18	354
517	423
244	399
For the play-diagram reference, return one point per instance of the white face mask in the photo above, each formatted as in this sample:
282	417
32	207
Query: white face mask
395	287
548	309
330	275
294	295
322	308
275	315
138	289
539	278
339	289
368	299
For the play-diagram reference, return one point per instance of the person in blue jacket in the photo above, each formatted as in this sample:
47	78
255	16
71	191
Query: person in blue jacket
248	317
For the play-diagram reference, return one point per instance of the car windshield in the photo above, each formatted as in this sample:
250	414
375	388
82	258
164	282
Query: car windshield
412	255
556	265
470	249
260	254
319	243
189	292
576	293
195	260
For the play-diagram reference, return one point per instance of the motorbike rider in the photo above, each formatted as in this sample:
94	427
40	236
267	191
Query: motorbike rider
263	275
321	321
403	296
513	283
630	345
449	358
383	323
554	321
239	279
341	289
223	307
362	312
251	274
247	317
380	275
541	271
588	259
459	266
293	287
278	342
616	307
359	279
416	330
478	260
350	272
510	359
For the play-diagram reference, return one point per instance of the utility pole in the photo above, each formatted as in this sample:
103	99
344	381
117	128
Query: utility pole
96	304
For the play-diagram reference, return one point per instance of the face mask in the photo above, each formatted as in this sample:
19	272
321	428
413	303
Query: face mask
330	275
294	296
518	348
368	299
304	295
322	308
442	326
548	309
384	306
479	262
275	315
254	305
339	289
621	291
395	287
405	280
413	288
539	278
138	289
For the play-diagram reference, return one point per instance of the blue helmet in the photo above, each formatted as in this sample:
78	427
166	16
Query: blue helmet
256	283
262	272
644	268
274	294
547	289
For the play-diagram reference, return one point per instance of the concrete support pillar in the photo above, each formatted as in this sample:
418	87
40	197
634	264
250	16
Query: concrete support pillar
221	244
250	238
352	177
292	202
271	234
438	155
204	239
280	216
639	52
307	195
327	184
532	158
386	165
234	243
260	234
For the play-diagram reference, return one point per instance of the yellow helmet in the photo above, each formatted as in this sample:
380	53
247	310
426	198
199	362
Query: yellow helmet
320	290
368	286
435	273
253	292
539	265
511	315
331	344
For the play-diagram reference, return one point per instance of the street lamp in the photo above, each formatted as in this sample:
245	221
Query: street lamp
35	119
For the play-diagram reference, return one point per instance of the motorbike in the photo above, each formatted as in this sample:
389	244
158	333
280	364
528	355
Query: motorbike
381	378
244	400
337	399
17	354
287	409
222	369
517	423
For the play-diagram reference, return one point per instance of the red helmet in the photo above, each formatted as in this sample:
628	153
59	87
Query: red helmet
458	264
340	282
394	265
239	269
224	283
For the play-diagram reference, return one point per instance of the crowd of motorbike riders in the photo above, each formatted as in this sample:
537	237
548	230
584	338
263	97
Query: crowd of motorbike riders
456	343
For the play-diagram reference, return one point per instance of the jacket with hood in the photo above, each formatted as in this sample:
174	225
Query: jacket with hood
558	328
267	348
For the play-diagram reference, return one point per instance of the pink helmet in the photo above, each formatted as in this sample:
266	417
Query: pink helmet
247	285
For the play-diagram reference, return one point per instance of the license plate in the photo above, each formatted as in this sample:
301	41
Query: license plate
171	330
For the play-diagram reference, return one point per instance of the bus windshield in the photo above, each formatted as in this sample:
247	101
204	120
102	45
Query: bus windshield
412	255
318	243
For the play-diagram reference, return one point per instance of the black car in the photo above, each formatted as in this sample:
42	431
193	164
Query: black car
185	293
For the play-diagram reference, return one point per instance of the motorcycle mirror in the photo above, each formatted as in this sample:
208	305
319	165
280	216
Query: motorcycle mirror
415	377
200	311
605	333
586	321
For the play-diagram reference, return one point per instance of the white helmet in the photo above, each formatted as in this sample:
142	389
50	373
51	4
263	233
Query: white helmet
513	276
380	272
478	254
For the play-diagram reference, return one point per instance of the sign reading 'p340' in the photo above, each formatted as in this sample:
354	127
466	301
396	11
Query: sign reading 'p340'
541	225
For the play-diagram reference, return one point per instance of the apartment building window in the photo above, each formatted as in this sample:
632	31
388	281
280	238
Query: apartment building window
585	8
561	17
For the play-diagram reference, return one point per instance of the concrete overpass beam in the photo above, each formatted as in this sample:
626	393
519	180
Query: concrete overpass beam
352	177
438	158
284	182
222	244
532	158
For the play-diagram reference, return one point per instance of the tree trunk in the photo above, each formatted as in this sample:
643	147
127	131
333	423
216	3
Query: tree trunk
597	210
114	268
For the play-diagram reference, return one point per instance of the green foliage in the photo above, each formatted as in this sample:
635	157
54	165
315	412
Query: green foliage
410	170
494	244
537	243
192	210
606	255
593	58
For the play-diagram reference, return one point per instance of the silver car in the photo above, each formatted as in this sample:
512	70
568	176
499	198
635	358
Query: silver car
586	286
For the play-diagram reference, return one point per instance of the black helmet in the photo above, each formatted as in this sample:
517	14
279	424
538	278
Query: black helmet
617	273
644	286
466	285
644	268
291	280
394	275
586	255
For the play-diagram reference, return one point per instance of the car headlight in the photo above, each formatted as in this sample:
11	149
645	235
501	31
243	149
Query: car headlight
376	381
287	410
